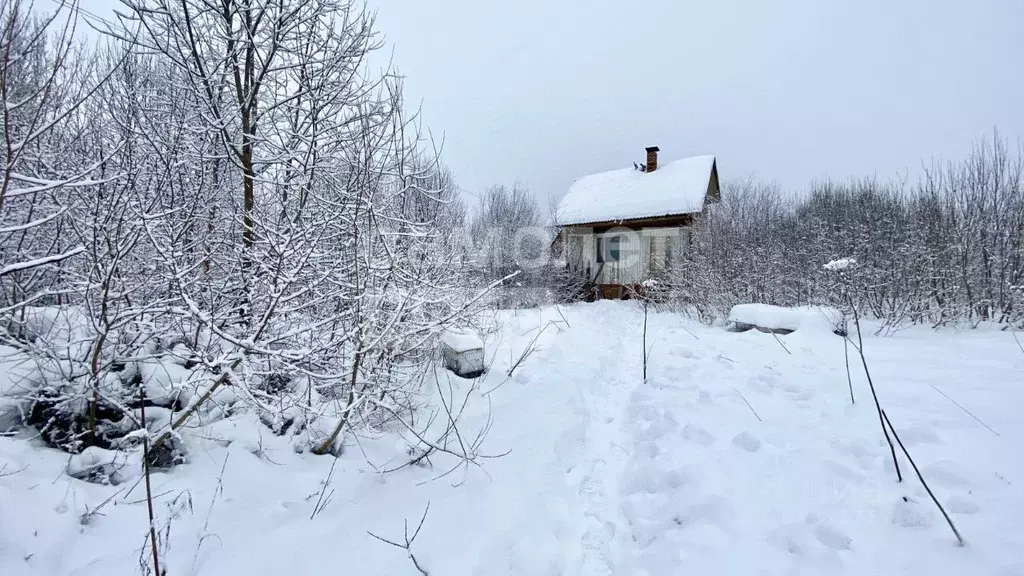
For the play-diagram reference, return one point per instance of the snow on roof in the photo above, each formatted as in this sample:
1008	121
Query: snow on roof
676	187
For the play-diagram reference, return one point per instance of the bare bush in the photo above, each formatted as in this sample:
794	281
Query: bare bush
229	209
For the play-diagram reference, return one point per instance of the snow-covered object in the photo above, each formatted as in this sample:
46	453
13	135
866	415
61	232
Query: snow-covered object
840	264
461	340
678	187
463	353
90	459
19	377
97	465
782	319
164	380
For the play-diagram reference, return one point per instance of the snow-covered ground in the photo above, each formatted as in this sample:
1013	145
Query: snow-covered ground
734	457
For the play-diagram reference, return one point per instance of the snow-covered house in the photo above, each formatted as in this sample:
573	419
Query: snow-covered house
618	227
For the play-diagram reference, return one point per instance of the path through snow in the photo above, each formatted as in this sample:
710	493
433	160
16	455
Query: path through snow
736	457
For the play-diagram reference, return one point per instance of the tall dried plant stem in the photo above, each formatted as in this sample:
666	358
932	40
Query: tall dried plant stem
849	379
149	487
871	384
959	538
645	340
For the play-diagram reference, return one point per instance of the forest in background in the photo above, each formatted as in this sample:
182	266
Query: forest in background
946	250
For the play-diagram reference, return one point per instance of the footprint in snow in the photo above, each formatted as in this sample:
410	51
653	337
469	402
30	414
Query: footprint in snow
829	535
698	435
747	441
704	397
918	434
795	537
713	510
798	393
763	384
911	514
944	472
961	505
648	447
842	471
856	449
792	388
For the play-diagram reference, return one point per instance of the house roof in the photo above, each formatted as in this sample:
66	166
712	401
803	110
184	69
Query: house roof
677	187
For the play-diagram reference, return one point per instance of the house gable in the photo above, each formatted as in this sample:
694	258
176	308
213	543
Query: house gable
714	193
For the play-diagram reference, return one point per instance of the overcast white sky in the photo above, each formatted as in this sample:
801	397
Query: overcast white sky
544	91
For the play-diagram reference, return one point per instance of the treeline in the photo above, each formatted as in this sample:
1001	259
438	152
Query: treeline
948	249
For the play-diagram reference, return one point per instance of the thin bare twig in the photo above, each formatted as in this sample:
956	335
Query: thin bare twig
529	350
754	412
966	411
774	335
87	517
685	329
557	309
407	546
3	473
1013	331
322	500
218	491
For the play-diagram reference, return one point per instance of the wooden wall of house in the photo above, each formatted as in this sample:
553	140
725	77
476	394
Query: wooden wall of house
580	251
640	250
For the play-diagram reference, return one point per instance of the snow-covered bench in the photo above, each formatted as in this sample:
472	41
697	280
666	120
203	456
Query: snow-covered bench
782	320
463	353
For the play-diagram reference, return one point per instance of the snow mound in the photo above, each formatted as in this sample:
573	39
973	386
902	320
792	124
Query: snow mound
103	466
782	319
90	459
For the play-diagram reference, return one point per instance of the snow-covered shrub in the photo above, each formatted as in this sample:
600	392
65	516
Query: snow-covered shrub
157	254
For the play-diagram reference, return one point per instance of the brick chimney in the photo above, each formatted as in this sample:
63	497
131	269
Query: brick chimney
652	158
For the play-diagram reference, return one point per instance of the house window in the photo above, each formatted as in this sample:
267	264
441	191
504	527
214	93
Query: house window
608	248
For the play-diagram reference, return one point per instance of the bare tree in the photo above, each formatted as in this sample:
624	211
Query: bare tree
45	77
